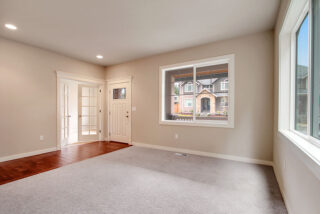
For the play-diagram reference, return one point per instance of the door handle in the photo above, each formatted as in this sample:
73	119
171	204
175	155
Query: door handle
127	116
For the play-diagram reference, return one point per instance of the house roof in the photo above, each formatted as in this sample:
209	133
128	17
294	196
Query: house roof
207	81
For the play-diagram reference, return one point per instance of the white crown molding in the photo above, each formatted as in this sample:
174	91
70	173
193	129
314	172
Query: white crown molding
207	154
79	77
27	154
119	80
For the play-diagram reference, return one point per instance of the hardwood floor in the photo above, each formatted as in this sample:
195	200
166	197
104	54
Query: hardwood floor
28	166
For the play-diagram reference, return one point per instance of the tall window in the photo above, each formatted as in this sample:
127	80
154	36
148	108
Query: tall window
302	77
299	76
193	83
302	94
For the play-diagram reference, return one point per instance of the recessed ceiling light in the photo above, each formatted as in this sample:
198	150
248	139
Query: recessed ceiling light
11	26
99	56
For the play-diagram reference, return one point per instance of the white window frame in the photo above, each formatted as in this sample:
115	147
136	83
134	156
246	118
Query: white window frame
306	10
287	67
229	123
223	85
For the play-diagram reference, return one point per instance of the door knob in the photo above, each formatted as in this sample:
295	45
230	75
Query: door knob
127	116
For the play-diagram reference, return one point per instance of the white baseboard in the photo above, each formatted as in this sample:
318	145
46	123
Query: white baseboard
207	154
27	154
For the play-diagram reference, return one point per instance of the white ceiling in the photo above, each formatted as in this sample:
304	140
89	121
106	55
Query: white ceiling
122	30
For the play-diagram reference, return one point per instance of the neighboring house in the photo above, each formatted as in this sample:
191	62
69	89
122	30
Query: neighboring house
211	97
302	97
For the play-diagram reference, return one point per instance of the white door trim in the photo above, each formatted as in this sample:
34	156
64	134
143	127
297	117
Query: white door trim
116	81
77	77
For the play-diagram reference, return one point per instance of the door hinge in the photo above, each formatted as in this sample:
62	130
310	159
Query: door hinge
99	131
109	133
100	91
100	110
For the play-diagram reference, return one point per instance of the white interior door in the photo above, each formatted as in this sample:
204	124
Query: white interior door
64	112
88	113
120	112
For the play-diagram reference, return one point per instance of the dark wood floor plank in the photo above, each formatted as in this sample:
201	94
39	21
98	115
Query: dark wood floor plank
28	166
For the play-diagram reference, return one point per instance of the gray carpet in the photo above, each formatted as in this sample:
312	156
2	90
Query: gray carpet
140	180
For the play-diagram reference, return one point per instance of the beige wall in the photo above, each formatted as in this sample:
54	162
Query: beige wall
252	135
28	95
299	185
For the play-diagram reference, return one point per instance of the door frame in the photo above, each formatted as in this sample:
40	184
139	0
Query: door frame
109	96
81	78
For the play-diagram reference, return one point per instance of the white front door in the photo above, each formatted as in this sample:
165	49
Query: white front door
120	112
88	113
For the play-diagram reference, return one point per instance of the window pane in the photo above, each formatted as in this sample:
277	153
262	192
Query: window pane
85	91
85	111
93	111
316	71
212	92
301	83
93	101
93	92
119	93
179	94
85	101
85	120
85	130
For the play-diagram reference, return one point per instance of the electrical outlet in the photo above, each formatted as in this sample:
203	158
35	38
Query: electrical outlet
41	137
176	136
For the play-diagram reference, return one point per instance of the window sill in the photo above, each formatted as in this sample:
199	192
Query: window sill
311	152
218	124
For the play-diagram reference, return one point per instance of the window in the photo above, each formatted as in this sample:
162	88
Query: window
302	77
224	85
208	87
119	93
299	74
188	87
188	102
193	84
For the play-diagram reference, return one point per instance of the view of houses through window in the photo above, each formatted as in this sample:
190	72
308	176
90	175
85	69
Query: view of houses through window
207	94
302	77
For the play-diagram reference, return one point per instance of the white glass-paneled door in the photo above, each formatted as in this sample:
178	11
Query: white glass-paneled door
89	125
